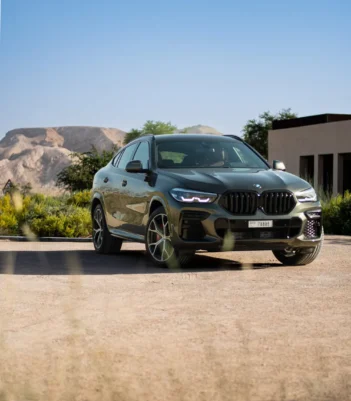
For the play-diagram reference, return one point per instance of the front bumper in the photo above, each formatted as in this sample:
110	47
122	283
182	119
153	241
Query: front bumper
206	227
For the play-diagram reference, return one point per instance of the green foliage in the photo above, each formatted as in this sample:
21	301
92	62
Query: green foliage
81	199
256	131
72	222
337	214
79	175
45	215
131	135
150	127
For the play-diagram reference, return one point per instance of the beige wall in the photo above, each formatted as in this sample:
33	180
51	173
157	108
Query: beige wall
289	144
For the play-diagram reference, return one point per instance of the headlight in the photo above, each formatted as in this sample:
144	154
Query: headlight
189	196
308	195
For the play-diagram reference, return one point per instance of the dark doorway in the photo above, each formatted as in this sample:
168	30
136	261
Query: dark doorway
307	168
326	170
344	172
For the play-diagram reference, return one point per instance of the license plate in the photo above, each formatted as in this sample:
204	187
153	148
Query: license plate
261	224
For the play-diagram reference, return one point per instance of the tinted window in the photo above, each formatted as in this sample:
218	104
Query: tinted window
206	154
142	154
127	156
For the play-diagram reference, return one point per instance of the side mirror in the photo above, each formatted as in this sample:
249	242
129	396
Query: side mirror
278	165
135	166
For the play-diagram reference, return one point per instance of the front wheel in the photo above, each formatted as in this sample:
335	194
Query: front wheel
158	242
298	257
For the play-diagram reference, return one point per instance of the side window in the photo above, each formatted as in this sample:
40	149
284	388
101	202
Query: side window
127	156
116	159
143	154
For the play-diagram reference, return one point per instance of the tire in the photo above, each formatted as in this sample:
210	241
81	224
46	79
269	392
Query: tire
298	257
158	244
104	242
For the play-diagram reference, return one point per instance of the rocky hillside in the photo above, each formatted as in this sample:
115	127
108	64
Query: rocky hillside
37	155
201	129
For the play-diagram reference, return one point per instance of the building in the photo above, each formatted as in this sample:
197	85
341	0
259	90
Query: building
317	148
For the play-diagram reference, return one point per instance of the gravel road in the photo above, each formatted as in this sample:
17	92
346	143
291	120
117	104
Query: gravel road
234	326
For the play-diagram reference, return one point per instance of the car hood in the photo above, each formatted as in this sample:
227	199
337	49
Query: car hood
222	180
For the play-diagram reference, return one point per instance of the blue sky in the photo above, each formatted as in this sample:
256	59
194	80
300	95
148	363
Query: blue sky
119	63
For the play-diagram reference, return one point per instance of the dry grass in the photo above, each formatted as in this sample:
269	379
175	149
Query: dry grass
82	371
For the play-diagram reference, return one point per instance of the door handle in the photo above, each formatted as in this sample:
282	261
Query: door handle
124	183
106	179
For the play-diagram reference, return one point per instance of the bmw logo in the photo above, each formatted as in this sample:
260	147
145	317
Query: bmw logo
258	186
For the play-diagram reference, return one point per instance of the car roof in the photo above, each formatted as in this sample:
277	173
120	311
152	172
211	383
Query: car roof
190	136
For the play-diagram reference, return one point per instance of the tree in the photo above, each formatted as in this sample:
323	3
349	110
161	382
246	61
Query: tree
256	131
79	175
131	135
150	127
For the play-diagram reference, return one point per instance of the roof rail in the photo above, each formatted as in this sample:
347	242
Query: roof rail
239	138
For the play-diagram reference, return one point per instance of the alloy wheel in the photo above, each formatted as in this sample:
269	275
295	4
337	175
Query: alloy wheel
158	239
98	228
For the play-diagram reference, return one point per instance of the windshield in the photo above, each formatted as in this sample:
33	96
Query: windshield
207	153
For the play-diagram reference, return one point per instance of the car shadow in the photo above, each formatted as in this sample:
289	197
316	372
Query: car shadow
89	263
338	241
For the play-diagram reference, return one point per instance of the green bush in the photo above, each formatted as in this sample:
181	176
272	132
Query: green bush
46	216
81	199
337	215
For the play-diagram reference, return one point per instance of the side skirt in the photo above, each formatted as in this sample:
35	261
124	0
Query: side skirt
127	236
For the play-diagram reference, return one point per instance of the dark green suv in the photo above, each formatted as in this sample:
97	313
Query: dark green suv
186	192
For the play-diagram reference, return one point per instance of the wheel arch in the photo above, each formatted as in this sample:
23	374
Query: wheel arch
155	203
96	200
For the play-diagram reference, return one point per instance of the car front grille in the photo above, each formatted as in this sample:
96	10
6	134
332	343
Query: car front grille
277	202
247	203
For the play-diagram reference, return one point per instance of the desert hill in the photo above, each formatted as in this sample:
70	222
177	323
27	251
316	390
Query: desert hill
37	155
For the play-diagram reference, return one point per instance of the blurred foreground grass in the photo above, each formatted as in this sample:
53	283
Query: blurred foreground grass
78	369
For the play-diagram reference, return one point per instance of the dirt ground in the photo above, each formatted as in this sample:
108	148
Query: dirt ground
234	326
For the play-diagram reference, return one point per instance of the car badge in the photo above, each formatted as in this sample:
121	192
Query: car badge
258	186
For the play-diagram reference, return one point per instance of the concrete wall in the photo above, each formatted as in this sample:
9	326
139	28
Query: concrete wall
289	144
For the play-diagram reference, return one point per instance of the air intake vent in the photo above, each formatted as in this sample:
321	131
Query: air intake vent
247	203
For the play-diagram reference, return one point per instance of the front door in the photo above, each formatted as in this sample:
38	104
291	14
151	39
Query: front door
115	195
135	192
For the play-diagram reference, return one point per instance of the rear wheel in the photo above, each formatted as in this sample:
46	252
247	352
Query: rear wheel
104	242
299	256
159	246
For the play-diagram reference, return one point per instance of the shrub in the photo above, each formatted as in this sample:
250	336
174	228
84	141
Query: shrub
46	216
337	215
81	199
74	222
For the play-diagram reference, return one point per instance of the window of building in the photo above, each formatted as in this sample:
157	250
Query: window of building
307	168
325	173
344	172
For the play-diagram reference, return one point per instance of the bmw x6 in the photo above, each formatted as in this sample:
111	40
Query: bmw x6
182	193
